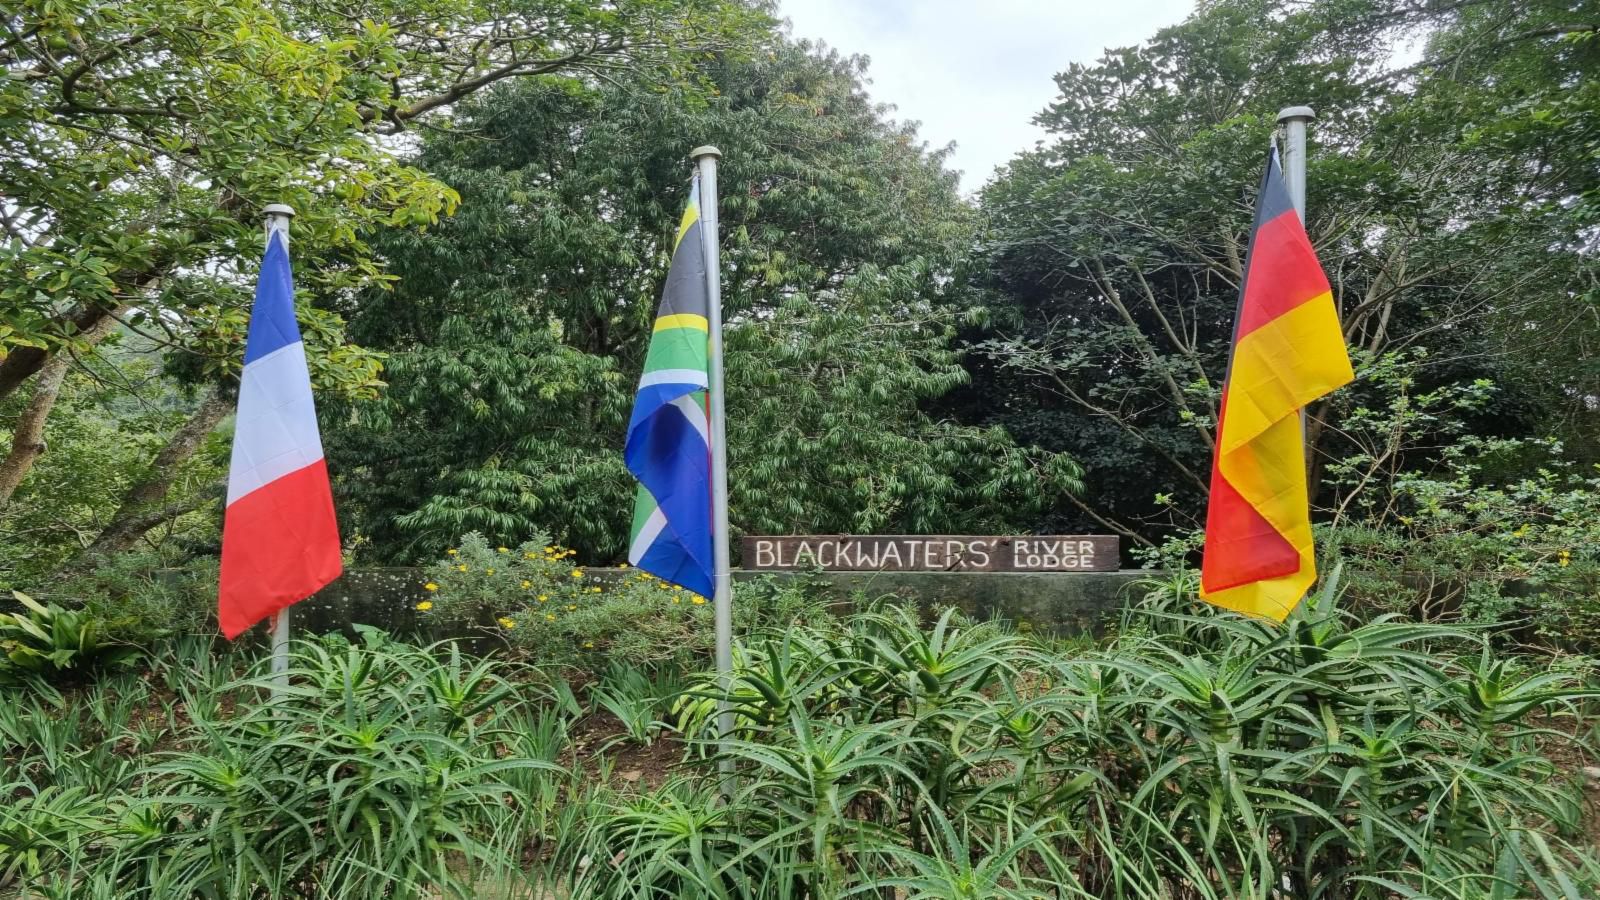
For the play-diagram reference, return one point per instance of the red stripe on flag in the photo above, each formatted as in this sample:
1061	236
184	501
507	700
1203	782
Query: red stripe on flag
1284	273
1241	546
280	545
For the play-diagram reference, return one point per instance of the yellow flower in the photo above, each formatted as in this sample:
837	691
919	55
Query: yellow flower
430	586
1565	557
425	605
488	571
594	590
543	597
526	584
588	645
622	565
676	600
527	556
502	550
576	573
549	618
461	568
698	600
571	607
507	623
450	552
549	549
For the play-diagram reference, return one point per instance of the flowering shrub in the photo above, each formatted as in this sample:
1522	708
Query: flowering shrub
1466	542
540	601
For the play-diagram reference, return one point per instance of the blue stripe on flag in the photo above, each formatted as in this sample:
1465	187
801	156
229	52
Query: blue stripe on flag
272	324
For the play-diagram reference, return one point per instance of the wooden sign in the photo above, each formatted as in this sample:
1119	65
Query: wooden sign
934	553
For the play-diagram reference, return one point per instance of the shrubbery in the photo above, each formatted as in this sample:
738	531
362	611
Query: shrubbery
43	643
1198	755
541	603
1463	544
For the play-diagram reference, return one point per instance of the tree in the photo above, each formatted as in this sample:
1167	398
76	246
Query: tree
1440	208
516	329
139	139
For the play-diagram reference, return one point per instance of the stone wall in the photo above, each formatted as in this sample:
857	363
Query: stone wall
1066	603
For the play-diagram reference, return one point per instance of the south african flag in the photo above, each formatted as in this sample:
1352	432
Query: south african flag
669	449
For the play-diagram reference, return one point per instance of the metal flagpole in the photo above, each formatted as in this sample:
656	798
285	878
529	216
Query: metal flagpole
1294	120
278	216
722	579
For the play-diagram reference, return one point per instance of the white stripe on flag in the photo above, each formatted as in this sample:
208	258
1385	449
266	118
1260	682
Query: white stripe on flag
646	536
674	376
275	432
696	414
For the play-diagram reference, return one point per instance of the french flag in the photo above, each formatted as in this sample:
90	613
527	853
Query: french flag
280	541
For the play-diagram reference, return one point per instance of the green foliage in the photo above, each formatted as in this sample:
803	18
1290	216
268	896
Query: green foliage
377	774
636	699
517	327
155	129
1466	540
136	160
1200	754
1441	202
45	642
42	831
1197	754
113	414
141	598
537	600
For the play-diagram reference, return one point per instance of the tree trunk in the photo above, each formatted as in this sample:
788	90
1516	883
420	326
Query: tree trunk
140	509
90	323
27	439
22	362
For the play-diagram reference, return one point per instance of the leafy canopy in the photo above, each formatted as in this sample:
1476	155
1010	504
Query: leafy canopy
517	328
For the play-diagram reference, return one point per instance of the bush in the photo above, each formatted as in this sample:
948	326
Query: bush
45	642
1196	755
1465	545
536	599
1200	754
380	772
141	597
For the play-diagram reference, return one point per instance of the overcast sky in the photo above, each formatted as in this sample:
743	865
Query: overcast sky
976	71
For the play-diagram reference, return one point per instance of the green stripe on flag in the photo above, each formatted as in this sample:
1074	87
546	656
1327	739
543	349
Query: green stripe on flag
678	348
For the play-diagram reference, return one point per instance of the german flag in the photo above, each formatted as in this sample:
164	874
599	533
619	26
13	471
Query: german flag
1288	350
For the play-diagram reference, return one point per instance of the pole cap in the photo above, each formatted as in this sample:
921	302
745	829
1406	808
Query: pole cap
706	150
278	209
1290	113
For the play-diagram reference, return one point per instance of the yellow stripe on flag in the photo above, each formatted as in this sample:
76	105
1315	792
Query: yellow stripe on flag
1270	473
1281	366
691	215
683	320
1277	369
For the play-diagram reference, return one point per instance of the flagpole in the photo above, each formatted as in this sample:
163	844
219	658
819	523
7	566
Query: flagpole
1294	120
277	220
705	158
